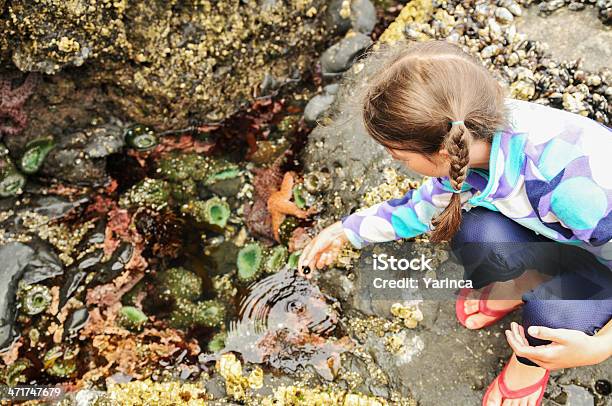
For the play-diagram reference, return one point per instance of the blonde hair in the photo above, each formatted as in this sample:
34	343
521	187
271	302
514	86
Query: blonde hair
411	101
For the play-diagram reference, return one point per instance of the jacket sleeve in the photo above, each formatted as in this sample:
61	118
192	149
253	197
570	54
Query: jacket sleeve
405	217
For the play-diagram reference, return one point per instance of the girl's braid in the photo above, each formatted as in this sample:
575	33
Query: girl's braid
457	146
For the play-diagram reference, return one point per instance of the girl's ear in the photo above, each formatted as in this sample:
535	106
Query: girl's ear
443	153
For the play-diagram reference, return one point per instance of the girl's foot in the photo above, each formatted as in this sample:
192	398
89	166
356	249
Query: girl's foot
523	385
507	300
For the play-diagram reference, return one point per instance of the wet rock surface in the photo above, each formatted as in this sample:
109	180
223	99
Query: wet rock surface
14	258
167	63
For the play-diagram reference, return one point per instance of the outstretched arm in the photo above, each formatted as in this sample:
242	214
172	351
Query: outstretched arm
406	217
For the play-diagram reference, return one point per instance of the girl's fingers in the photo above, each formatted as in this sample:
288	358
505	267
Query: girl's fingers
535	354
558	335
308	253
316	250
322	260
302	259
523	338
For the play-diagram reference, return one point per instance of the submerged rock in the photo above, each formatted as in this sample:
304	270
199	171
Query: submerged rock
319	104
45	263
78	157
14	258
340	56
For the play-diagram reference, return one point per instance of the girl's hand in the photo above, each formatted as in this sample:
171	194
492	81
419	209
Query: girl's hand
323	249
569	348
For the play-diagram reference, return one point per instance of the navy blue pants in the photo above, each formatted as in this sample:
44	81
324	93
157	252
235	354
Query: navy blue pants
577	294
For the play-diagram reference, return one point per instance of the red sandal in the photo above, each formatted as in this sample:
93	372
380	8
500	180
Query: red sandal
508	393
482	307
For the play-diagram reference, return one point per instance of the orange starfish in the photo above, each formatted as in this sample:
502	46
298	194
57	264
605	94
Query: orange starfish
280	204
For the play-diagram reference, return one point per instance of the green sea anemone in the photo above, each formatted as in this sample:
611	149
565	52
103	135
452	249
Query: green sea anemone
35	299
249	262
11	180
292	262
35	153
187	314
317	181
212	213
220	169
298	196
14	374
217	342
178	283
61	361
152	193
140	137
132	318
276	258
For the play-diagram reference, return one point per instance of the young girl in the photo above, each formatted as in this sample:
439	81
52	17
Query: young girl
516	187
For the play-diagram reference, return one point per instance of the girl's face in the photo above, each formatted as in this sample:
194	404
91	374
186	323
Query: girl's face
436	165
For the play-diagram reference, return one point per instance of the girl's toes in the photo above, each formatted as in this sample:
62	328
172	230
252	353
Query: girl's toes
474	322
495	397
471	306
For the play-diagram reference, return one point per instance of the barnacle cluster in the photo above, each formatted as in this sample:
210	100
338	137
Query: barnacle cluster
147	392
395	186
237	386
408	312
295	395
167	62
